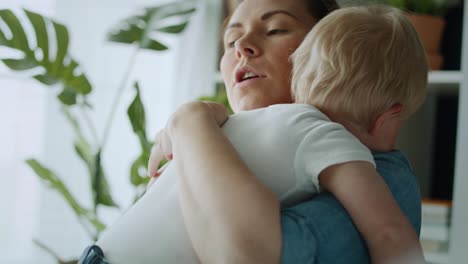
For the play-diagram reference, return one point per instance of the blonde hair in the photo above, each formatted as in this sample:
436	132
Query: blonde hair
358	62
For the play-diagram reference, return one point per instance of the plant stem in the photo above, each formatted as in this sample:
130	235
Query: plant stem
92	235
97	178
118	97
47	249
90	124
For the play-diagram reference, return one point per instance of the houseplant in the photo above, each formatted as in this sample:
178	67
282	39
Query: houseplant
427	17
61	72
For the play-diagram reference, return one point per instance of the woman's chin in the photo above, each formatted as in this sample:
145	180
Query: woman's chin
250	105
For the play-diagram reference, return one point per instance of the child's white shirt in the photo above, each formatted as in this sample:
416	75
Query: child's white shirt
286	146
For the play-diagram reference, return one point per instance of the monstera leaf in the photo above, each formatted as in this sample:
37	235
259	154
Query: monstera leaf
58	67
142	29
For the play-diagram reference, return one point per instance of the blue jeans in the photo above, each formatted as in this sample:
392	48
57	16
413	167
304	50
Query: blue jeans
321	231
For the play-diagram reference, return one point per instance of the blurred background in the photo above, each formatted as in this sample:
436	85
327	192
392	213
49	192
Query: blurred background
33	126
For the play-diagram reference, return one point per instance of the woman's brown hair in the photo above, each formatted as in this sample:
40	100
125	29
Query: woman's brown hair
317	8
320	8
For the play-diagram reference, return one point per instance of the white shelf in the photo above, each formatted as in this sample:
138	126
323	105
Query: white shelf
436	258
435	77
445	77
445	82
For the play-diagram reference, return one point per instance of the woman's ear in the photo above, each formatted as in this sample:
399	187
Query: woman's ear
387	121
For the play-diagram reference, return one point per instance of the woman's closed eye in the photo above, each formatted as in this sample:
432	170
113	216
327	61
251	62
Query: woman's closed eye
230	44
276	31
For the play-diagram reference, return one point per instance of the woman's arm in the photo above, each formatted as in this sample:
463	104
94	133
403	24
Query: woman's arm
231	217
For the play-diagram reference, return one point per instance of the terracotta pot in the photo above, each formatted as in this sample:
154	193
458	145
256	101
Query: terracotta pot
430	29
435	60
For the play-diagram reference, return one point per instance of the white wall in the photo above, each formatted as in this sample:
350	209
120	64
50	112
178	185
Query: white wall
21	136
459	235
22	132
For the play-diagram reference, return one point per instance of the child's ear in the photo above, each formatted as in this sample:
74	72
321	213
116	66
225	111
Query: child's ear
386	120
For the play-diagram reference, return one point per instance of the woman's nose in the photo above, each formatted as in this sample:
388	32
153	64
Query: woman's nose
245	47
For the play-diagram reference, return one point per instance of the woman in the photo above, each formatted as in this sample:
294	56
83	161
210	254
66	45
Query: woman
243	224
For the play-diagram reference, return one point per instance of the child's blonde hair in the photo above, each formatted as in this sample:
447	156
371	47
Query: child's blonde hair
359	62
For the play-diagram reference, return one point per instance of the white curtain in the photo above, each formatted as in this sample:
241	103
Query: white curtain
33	126
22	134
198	56
22	115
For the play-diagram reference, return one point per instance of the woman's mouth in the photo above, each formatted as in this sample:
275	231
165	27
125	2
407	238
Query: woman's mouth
248	75
245	74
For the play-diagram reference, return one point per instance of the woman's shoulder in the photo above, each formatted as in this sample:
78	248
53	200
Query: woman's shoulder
397	172
281	115
393	161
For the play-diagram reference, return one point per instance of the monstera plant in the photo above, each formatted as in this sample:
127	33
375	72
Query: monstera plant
62	72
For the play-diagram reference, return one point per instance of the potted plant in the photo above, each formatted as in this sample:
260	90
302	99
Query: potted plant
427	17
73	91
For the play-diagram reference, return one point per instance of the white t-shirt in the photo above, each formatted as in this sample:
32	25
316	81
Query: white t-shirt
285	146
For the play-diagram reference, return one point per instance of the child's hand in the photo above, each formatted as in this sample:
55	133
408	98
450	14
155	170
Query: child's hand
162	147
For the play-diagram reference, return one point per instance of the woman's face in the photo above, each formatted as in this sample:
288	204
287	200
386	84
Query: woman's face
259	38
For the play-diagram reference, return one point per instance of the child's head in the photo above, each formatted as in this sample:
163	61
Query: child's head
358	62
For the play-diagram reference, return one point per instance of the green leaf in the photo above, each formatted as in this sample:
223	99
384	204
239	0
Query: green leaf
57	70
3	39
136	115
46	79
175	29
136	112
61	34
169	18
53	182
20	65
138	171
40	30
174	9
137	178
126	36
67	96
105	197
154	45
19	39
99	184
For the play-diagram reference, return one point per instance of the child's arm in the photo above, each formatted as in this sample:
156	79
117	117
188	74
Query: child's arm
364	194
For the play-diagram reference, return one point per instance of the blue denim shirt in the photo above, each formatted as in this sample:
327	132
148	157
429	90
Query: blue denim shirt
321	231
